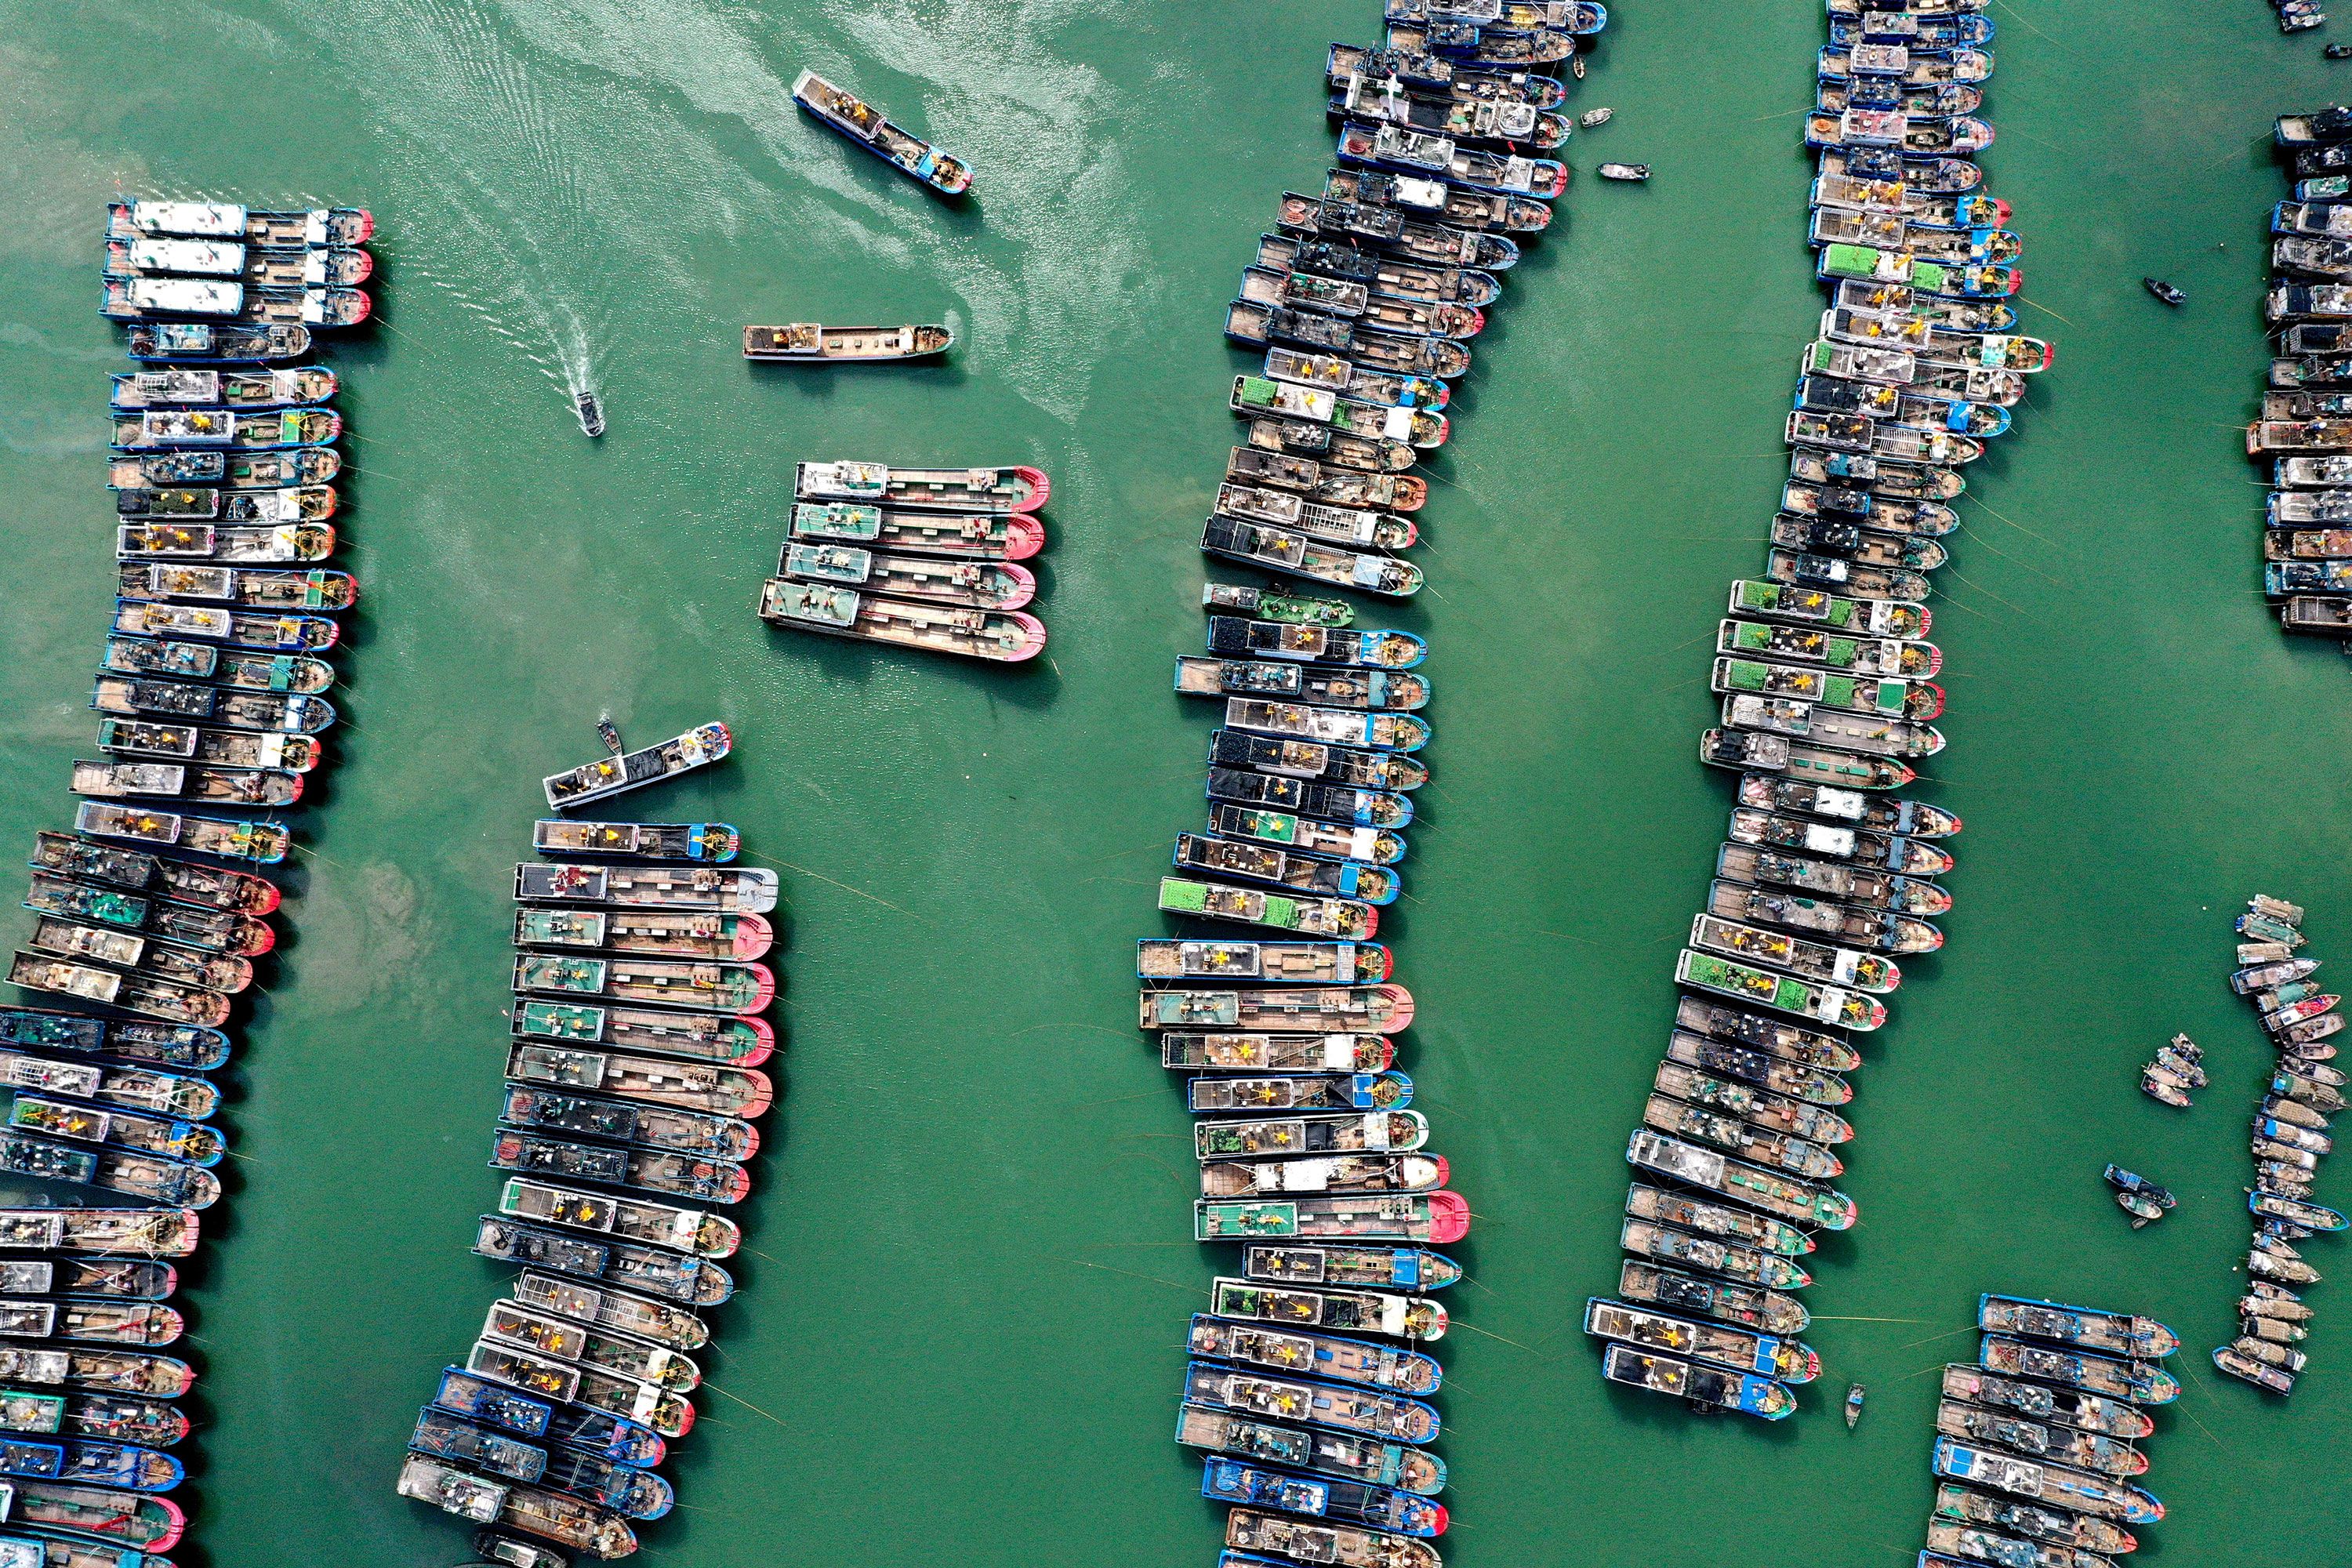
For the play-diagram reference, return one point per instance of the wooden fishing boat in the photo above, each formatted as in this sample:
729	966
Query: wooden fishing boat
106	1279
1295	757
205	343
1351	1405
1231	636
1342	917
702	986
1392	229
1414	1318
1334	449
1413	152
212	929
1000	637
976	585
1785	1197
1340	525
1705	1387
1257	397
985	491
2309	1216
2141	1381
555	1516
655	1270
1344	60
1327	1452
1323	840
863	126
1291	551
2062	1444
1859	658
2060	1525
737	1040
263	842
1868	886
810	343
2248	1369
233	389
1390	101
1805	683
1713	1344
1309	962
1330	485
173	299
1336	1359
597	1432
164	876
1302	1093
1454	207
2085	1412
1346	1173
159	429
1371	1008
1363	808
1296	873
130	1088
148	1233
1223	1052
980	536
2078	1490
1383	276
1758	1066
718	1137
261	471
135	1374
1344	378
148	995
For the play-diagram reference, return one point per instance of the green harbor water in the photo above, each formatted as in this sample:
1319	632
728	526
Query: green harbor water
959	1335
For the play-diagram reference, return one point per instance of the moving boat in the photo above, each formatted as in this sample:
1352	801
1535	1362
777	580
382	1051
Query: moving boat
1000	637
863	126
205	343
1332	1358
983	490
1705	1387
811	343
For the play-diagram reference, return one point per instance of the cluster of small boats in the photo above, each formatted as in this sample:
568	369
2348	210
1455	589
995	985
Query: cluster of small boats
2289	1137
2305	427
1309	1384
149	913
921	558
2036	1455
624	1134
1827	884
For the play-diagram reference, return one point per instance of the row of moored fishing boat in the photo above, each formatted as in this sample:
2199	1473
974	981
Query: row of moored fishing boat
1827	883
1308	1385
147	916
2304	430
2036	1452
922	558
625	1132
2289	1137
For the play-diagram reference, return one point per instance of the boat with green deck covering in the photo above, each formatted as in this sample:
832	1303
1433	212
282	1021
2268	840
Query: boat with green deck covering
1881	657
1815	606
1786	993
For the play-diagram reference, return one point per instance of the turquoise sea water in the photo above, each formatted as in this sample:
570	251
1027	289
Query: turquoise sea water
959	1334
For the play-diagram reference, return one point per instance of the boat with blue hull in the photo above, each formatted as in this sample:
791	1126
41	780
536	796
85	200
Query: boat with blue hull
2143	1382
1703	1387
1324	1452
1347	1407
2121	1333
1354	1502
865	127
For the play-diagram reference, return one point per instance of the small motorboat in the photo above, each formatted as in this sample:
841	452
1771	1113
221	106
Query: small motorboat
2164	292
591	412
2138	1196
1632	171
1854	1394
1592	117
2338	51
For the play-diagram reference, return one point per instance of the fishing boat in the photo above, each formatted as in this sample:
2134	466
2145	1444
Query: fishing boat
1858	504
1379	730
1379	1131
594	1432
975	584
1415	1318
261	842
212	929
1811	605
1257	322
1904	818
1334	1091
1705	1387
1390	228
270	713
163	300
1000	637
181	880
2058	1526
1333	486
1320	1008
2248	1369
1347	379
1484	47
1383	276
1333	448
1873	735
737	1040
1864	887
1918	32
1816	961
1346	1173
1762	1066
123	1171
230	748
1747	751
2078	1490
2088	1412
1333	917
1257	397
153	256
863	126
1326	1356
715	843
1312	962
1231	636
1997	1430
1342	806
1344	60
1456	207
148	995
980	536
735	988
1413	152
811	343
232	389
1263	544
1765	1312
679	1229
2141	1381
1390	101
654	1270
241	587
301	504
1904	481
1317	840
1905	856
132	1089
616	775
718	1137
1227	1052
1352	1502
91	1321
1886	697
296	229
261	470
1332	763
1786	1196
1751	1265
740	937
984	490
719	1090
2309	1216
1769	1149
1924	100
1386	1267
568	1521
523	1326
1339	1454
205	343
1353	689
245	430
1341	525
1346	1405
